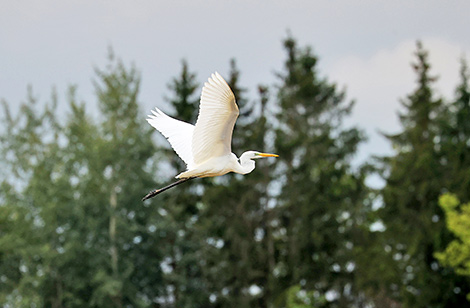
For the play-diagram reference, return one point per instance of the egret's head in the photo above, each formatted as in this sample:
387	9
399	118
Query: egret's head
247	160
257	155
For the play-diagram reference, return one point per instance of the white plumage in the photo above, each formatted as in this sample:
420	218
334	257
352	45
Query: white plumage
206	147
218	112
178	133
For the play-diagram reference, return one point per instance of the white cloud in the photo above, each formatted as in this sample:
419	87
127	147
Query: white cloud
378	82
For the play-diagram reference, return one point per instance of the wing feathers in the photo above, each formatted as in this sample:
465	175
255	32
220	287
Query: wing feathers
212	134
218	112
178	133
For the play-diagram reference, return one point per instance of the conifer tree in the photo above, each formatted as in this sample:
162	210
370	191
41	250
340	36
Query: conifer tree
184	100
75	189
414	222
29	255
182	241
320	196
233	215
125	151
455	136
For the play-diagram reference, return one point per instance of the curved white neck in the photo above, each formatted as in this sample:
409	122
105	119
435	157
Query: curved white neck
246	165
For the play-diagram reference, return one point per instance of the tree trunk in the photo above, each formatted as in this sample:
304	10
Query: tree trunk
112	238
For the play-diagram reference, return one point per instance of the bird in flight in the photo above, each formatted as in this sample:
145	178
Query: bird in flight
206	146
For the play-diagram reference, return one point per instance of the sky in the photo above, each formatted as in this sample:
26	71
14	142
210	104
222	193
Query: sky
364	46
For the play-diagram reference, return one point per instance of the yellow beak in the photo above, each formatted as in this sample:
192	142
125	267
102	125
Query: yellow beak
268	155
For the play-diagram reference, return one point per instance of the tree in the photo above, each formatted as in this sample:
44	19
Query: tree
77	233
184	100
182	241
234	215
121	162
29	145
321	197
455	136
455	149
410	212
457	253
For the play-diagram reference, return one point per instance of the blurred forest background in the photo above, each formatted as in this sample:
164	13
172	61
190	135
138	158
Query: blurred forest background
301	231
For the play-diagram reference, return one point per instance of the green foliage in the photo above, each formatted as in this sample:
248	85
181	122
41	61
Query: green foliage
181	242
235	217
319	208
185	99
457	253
77	235
298	298
413	220
455	136
295	233
70	200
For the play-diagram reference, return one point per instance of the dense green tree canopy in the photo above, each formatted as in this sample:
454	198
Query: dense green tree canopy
414	222
294	233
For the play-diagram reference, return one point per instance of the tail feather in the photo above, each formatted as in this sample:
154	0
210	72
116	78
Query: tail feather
160	190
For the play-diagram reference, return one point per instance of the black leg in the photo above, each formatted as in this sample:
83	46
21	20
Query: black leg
158	191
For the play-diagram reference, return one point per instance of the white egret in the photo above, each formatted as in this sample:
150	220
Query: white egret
206	146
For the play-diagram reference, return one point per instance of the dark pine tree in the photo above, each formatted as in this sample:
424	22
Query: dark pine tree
415	228
180	239
455	139
235	213
321	196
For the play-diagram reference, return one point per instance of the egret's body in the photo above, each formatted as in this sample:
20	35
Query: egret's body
220	165
206	146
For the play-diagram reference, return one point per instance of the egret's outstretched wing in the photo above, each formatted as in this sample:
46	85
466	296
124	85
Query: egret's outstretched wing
178	133
218	112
